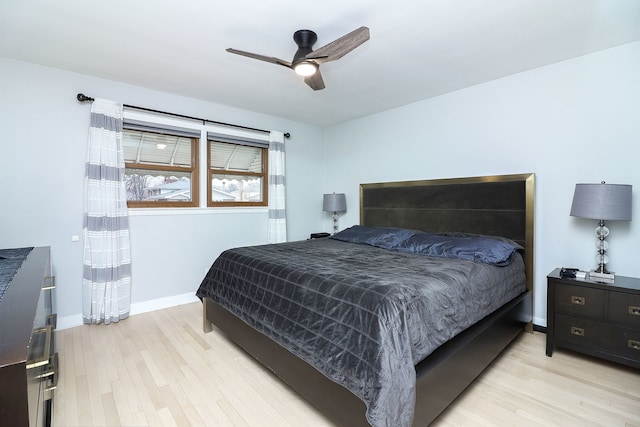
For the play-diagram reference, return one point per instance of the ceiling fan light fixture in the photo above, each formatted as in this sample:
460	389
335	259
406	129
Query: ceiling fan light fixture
305	68
306	61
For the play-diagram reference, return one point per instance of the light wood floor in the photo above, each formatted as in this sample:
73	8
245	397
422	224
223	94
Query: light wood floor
160	369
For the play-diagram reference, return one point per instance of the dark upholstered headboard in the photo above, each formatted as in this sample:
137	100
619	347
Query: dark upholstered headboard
501	205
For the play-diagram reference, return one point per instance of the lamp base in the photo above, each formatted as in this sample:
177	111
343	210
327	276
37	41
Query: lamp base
602	277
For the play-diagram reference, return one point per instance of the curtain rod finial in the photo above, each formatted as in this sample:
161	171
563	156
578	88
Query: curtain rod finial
82	97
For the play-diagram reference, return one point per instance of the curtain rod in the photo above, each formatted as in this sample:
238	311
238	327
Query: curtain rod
83	98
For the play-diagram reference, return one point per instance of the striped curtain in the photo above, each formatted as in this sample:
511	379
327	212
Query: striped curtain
277	226
106	281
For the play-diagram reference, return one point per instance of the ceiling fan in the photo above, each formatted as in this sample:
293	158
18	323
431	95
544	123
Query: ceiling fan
306	61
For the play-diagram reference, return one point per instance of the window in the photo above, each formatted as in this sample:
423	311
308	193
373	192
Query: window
173	163
161	166
237	171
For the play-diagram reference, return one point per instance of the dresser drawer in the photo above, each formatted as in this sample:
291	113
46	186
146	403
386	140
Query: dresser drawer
598	337
578	330
625	343
624	308
580	300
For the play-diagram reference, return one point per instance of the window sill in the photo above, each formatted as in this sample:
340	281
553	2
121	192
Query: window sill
196	211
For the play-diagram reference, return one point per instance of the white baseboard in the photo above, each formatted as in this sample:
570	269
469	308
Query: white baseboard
67	322
136	308
540	321
160	303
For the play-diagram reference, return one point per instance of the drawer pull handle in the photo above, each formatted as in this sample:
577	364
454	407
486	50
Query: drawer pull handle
634	310
50	283
578	300
44	358
633	344
54	373
577	331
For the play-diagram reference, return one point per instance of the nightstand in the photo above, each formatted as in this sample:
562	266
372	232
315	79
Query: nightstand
597	319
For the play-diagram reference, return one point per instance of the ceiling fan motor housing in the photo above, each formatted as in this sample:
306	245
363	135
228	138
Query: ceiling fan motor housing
305	40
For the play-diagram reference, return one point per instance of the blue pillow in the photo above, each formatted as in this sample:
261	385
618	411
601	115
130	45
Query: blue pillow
473	248
462	234
382	237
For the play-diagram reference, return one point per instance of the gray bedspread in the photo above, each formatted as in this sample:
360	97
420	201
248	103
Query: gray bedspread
361	315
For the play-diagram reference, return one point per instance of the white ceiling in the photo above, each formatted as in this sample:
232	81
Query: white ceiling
418	48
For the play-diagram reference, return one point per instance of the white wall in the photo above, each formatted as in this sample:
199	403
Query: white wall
42	154
575	121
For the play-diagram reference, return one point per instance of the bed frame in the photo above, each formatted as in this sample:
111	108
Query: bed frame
493	205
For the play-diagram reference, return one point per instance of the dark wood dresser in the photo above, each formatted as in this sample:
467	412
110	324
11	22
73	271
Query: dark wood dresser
28	362
598	319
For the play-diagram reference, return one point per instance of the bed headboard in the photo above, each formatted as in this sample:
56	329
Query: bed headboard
501	205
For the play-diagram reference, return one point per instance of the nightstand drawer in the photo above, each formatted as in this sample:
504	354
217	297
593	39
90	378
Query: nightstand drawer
624	308
598	337
625	343
578	330
580	300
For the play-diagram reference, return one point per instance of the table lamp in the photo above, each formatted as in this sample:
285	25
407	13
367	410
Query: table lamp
334	203
604	202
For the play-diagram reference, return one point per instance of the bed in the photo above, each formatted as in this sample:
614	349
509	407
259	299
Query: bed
317	312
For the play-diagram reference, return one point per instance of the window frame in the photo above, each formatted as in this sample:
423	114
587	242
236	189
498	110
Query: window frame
201	182
264	175
193	170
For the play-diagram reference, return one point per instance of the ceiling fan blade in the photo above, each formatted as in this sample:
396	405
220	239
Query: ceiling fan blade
261	57
315	81
340	47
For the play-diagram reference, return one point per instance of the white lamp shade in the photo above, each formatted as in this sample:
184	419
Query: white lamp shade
334	202
609	202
